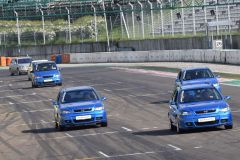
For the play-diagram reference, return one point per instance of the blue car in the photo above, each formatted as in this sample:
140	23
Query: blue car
197	76
77	106
45	73
198	106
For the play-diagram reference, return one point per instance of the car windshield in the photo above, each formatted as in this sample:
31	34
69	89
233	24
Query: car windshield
24	60
198	74
79	96
46	67
198	95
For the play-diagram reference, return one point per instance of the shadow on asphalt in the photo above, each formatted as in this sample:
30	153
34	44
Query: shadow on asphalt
167	132
161	102
53	130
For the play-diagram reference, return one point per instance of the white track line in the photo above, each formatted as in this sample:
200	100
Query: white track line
69	135
12	90
107	90
127	129
174	147
19	95
103	154
10	103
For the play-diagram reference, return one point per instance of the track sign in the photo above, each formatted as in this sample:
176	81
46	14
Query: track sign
217	44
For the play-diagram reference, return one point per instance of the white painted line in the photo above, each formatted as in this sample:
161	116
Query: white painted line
119	89
26	111
107	90
18	95
155	127
102	84
12	90
69	135
26	102
104	154
10	103
127	129
130	95
174	147
198	147
236	111
5	85
25	124
145	128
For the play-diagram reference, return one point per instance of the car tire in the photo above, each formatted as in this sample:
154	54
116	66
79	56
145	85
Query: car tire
178	129
171	126
29	79
104	124
33	85
60	84
56	124
18	72
228	126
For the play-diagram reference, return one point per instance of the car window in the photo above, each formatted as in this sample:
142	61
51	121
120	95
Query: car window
198	74
79	96
174	96
179	75
198	95
24	60
46	66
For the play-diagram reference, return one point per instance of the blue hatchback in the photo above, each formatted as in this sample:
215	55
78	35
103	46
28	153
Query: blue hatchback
201	75
198	106
45	73
77	106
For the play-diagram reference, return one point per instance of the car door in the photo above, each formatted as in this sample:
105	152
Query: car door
12	66
173	111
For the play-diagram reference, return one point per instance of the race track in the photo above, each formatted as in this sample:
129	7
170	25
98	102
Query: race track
137	106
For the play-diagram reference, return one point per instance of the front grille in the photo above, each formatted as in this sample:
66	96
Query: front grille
85	120
205	111
206	123
47	76
83	110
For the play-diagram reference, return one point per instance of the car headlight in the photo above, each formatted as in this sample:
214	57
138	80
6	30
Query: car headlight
99	108
56	75
224	109
184	113
37	77
216	84
65	111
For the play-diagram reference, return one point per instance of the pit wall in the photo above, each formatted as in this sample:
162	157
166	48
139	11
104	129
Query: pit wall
206	56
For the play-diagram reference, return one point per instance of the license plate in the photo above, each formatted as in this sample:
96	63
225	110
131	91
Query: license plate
83	117
209	119
47	80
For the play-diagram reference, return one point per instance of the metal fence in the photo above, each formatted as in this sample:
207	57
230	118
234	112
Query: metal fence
60	22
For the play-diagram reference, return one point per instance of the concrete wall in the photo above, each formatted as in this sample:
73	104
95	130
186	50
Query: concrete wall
44	51
209	56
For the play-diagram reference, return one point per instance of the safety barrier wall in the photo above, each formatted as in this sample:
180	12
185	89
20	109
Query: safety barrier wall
208	56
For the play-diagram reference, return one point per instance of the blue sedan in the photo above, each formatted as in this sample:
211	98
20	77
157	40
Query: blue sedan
201	75
77	106
198	106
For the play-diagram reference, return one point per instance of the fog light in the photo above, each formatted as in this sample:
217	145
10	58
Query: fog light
189	123
224	120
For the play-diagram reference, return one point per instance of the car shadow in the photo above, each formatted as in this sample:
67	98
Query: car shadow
168	132
54	130
160	102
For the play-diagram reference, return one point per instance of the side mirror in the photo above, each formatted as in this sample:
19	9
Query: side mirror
53	102
217	76
103	98
227	98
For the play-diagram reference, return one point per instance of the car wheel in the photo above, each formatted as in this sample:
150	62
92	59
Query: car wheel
56	124
60	84
178	129
18	72
171	126
33	85
104	124
228	126
29	79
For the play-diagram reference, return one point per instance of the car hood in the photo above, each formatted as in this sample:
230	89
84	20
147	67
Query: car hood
200	81
46	73
81	105
199	106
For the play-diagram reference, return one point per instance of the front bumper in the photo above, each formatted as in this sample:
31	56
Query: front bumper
47	82
192	121
97	117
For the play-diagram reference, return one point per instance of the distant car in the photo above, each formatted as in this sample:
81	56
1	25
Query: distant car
45	74
30	67
197	76
19	65
77	106
198	106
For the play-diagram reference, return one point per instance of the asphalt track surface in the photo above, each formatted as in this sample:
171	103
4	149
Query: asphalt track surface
137	106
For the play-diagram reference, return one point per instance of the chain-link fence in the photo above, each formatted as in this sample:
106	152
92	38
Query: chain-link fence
61	22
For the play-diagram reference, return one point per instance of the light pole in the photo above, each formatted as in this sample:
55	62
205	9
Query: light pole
95	22
143	34
160	3
18	29
151	7
105	18
69	26
43	27
133	23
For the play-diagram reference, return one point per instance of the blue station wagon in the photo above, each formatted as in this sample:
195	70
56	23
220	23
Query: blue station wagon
198	106
45	73
77	106
191	76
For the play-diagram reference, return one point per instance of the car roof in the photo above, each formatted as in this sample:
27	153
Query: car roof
45	62
77	88
22	57
196	86
37	61
194	68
